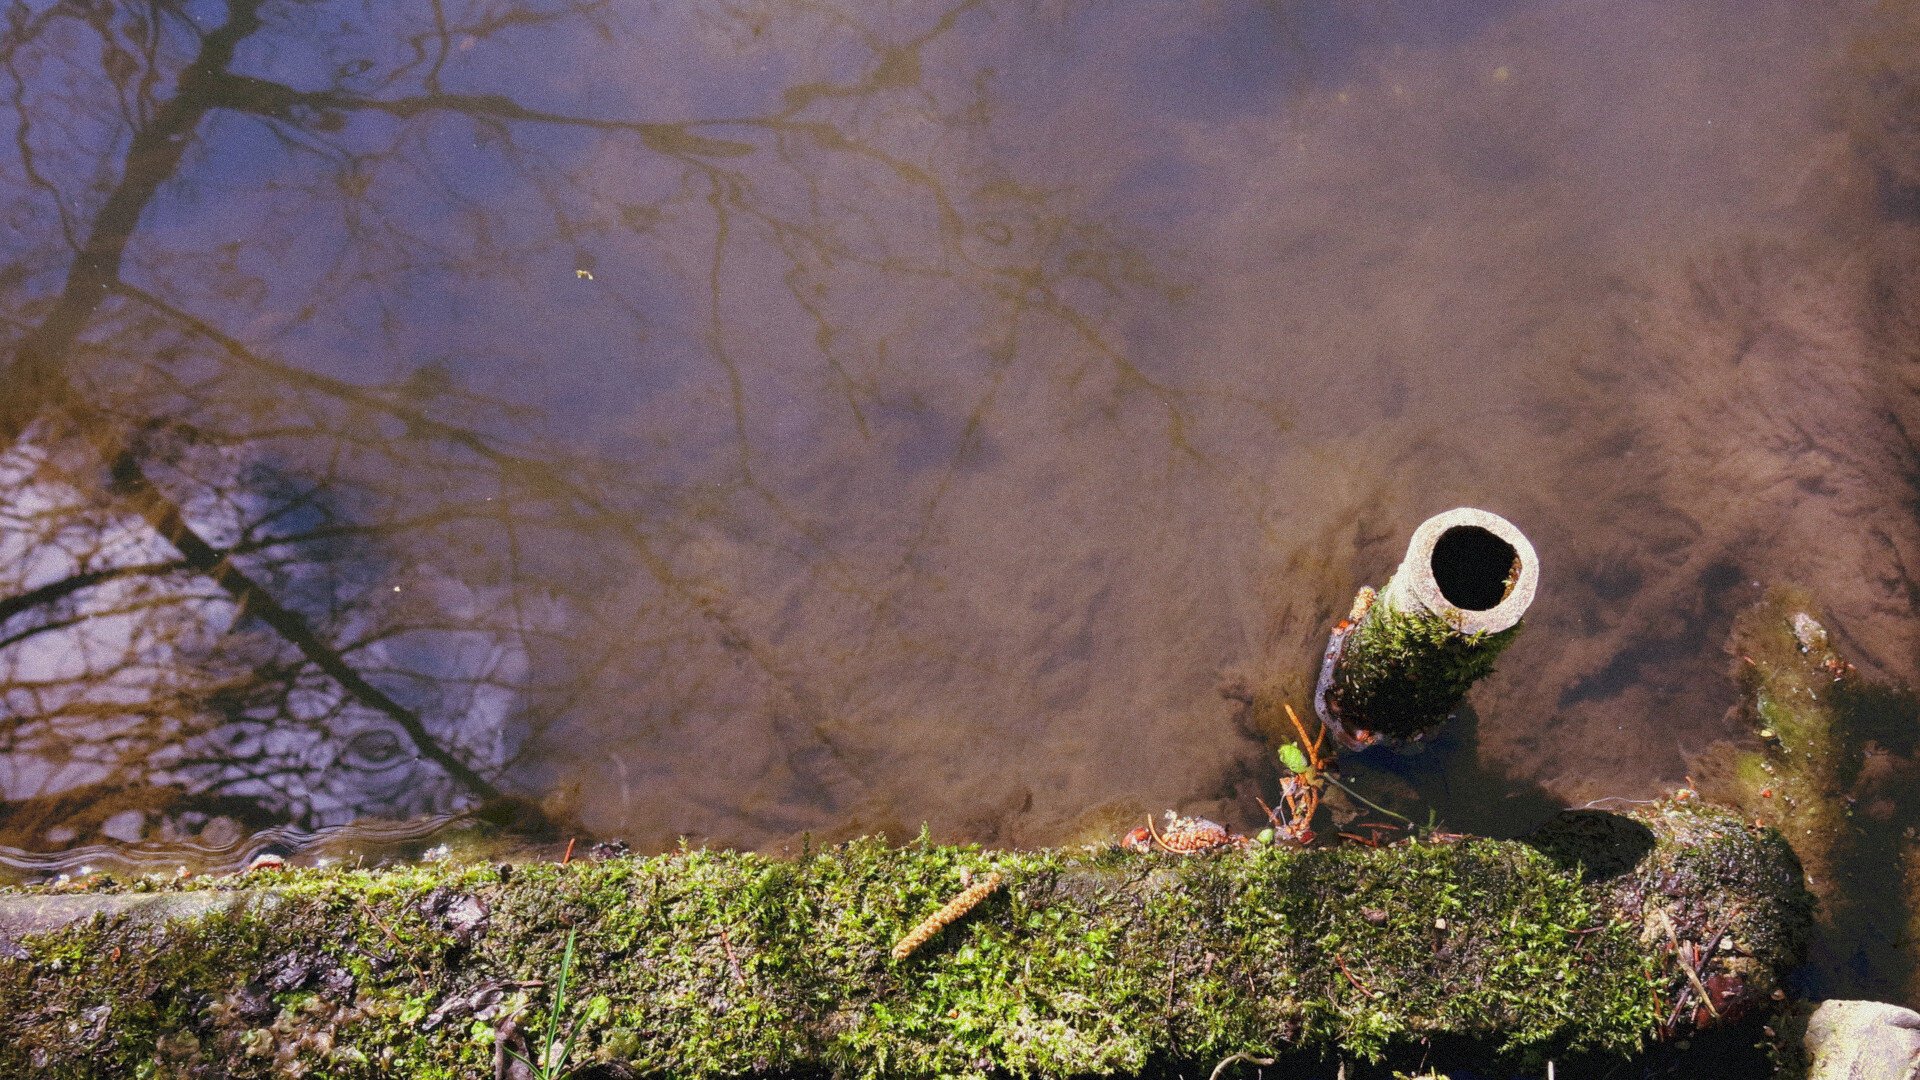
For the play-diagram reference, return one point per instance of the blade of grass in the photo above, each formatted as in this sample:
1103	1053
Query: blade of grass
1368	801
550	1069
545	1067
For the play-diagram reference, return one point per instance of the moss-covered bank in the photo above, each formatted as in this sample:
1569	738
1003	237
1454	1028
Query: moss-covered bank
706	963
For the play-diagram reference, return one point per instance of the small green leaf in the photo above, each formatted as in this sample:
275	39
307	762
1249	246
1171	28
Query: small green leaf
1292	757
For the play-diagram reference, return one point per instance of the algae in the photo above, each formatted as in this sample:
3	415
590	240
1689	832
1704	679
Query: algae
1793	681
705	963
1823	766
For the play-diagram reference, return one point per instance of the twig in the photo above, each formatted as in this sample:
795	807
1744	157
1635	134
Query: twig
1692	975
1155	833
1673	1018
1352	978
382	924
568	857
1312	747
732	960
1243	1056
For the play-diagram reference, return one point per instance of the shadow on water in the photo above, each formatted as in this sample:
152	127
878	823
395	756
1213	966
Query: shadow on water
1867	949
1450	782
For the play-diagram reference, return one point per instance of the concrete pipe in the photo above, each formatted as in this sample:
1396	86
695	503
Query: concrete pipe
1402	661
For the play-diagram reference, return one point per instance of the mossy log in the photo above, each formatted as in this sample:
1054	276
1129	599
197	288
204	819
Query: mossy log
706	963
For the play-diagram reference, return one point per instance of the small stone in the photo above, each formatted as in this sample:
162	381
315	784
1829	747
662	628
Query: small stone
1374	916
1847	1039
222	832
1439	924
127	826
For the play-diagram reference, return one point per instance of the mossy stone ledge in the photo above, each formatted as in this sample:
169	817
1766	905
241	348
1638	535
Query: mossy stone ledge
1086	963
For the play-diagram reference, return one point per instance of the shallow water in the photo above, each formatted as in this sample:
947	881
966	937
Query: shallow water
775	419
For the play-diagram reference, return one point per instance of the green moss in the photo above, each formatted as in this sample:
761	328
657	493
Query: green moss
1402	673
1795	687
1818	730
701	963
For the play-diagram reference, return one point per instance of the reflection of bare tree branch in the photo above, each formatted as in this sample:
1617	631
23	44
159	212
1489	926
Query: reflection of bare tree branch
55	591
38	379
524	471
164	514
37	376
293	496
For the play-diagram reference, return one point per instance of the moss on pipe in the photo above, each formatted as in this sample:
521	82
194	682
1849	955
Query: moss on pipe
706	964
1406	671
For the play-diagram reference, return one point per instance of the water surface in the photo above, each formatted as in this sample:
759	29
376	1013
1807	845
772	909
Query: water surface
750	421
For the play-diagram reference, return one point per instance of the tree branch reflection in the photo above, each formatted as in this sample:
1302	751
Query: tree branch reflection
254	564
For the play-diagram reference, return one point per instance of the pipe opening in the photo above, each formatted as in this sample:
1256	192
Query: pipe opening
1474	569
